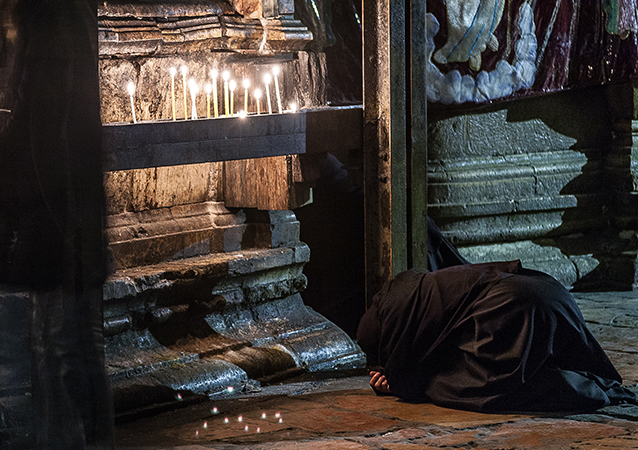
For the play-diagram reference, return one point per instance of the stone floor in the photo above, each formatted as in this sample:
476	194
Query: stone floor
338	411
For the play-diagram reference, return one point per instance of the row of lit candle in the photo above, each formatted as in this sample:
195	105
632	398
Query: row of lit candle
228	94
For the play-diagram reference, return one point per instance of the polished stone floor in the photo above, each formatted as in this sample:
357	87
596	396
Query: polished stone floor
338	411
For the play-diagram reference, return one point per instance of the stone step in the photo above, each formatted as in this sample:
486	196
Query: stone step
197	326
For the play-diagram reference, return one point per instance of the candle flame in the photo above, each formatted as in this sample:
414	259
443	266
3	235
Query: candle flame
226	75
246	83
257	94
184	70
267	78
131	88
205	424
214	73
242	114
208	88
173	71
232	84
192	84
240	419
275	70
214	410
293	107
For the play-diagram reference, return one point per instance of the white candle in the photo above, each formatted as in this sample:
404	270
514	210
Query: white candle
275	72
208	88
214	73
267	80
194	88
246	84
131	91
226	76
173	73
293	107
257	95
242	114
232	85
184	70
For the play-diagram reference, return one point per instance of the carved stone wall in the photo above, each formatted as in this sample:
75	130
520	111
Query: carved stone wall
207	277
536	180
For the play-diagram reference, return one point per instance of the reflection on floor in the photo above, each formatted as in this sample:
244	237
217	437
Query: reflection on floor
338	411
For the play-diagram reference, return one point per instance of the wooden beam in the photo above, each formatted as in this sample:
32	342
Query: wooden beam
168	143
395	126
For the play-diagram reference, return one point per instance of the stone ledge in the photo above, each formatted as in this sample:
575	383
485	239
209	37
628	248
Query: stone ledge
234	347
164	276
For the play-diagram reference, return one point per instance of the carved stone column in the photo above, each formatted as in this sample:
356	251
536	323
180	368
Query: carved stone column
622	173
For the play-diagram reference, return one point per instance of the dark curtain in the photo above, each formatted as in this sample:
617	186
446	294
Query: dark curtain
51	205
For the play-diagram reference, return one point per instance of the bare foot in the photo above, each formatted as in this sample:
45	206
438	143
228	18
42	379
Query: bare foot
379	383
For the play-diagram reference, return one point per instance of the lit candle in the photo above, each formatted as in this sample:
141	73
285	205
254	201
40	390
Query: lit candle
242	114
184	71
131	91
246	84
232	85
194	88
257	95
226	76
173	73
208	89
275	72
213	74
293	107
267	80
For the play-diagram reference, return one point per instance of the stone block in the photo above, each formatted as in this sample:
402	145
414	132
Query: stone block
531	170
164	384
233	238
278	258
302	253
546	258
285	234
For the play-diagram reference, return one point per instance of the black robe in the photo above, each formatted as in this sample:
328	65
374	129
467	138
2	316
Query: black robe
490	337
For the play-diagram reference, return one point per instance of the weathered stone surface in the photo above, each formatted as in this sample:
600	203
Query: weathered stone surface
527	171
151	34
317	420
301	81
287	325
184	231
160	187
156	279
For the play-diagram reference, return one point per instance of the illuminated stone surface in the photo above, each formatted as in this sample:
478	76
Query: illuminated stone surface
334	413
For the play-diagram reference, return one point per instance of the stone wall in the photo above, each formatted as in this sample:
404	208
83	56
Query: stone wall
531	180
